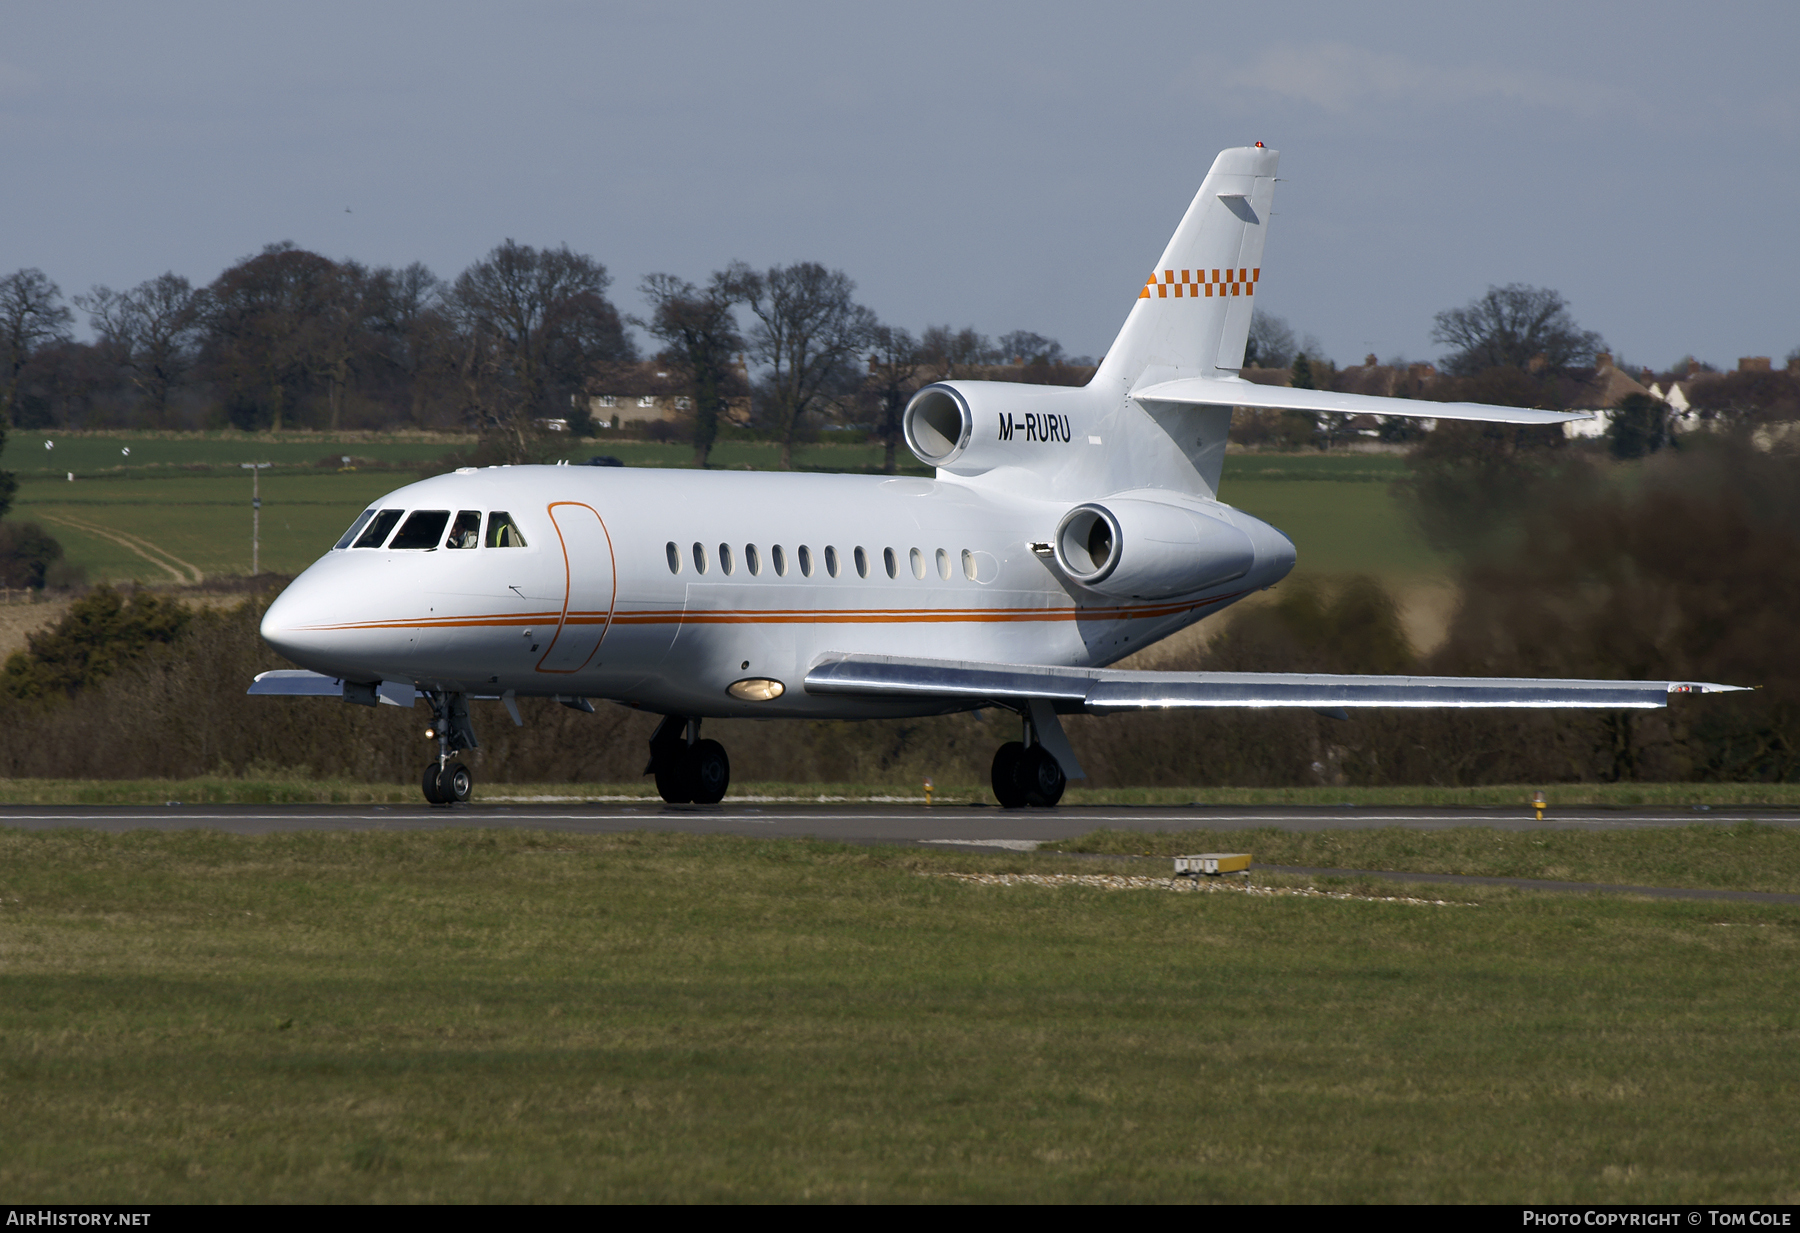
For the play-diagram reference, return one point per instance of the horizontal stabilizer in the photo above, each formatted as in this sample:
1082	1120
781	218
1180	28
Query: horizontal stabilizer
1236	392
297	683
1106	690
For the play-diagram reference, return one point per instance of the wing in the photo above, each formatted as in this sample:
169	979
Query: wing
298	683
1236	392
1105	690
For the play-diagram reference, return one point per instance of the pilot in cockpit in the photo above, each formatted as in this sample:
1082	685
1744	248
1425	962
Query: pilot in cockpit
466	531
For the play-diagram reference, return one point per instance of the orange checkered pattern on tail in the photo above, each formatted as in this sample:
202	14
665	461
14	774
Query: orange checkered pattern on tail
1195	283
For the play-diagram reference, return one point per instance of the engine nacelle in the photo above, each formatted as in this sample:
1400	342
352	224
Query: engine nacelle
1139	549
968	427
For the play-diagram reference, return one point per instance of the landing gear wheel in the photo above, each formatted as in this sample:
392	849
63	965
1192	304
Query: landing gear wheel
709	772
675	782
454	784
1008	789
1041	775
430	784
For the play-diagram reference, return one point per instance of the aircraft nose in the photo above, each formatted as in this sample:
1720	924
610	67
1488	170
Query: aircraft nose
291	623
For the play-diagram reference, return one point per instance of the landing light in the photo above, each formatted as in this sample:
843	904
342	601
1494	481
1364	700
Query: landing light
756	689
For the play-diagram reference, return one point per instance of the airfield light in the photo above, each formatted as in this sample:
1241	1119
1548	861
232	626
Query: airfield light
1537	803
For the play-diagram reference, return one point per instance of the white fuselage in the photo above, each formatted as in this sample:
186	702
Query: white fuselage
660	589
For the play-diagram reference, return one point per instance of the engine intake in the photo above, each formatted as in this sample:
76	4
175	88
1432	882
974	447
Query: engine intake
1138	549
938	423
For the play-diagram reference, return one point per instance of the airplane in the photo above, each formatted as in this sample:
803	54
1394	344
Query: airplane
1064	529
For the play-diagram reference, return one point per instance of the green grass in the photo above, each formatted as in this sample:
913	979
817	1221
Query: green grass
469	1016
1341	527
1746	856
1339	468
199	520
90	454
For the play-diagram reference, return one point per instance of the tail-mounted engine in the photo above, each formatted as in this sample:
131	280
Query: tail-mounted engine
1138	549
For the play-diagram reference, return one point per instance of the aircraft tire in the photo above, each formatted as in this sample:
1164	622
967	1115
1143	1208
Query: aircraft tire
455	784
430	784
1042	777
675	784
1009	790
709	771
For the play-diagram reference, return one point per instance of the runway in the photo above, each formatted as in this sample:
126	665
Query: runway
969	828
982	826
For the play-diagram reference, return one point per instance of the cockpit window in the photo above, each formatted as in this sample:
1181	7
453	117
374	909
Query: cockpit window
502	532
465	532
354	528
377	531
423	530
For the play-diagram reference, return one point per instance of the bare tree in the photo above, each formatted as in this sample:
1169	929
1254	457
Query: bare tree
407	318
894	365
271	320
153	329
1025	347
808	332
1514	326
699	330
1271	342
955	353
30	317
534	323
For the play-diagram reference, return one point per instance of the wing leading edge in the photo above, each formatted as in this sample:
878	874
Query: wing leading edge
1105	690
1236	392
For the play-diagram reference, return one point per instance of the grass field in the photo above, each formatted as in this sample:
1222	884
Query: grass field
468	1016
179	505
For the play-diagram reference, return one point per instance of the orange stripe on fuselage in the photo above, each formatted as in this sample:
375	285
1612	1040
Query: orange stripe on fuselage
794	616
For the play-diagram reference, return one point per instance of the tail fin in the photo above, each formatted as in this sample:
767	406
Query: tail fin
1193	315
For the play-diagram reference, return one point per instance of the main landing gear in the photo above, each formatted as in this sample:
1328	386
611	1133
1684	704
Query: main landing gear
688	770
447	781
1025	773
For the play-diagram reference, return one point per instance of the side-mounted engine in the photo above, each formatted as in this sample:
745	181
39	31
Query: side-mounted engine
1134	548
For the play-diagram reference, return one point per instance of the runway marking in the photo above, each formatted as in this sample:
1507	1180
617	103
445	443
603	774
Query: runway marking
1011	845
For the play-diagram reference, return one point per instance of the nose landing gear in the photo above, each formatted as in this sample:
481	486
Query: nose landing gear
687	769
448	782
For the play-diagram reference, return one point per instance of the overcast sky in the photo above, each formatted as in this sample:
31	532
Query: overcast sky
1002	166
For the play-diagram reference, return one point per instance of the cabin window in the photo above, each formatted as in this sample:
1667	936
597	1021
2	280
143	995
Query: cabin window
887	559
943	563
502	531
862	562
725	562
699	558
378	530
918	563
675	557
350	535
779	559
423	531
752	560
805	561
968	559
831	560
465	532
